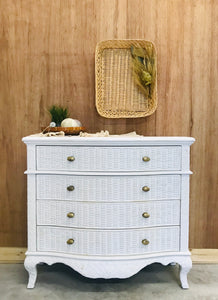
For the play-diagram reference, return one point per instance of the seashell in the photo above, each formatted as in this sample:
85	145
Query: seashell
52	124
70	123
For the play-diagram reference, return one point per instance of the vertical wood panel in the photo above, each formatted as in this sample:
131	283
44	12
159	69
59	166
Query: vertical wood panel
204	205
47	57
141	25
173	115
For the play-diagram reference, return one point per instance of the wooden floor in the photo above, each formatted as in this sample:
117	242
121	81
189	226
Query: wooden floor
13	255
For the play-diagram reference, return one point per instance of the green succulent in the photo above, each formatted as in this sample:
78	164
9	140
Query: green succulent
58	114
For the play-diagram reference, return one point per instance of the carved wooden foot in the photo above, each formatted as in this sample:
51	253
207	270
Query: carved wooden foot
184	269
30	266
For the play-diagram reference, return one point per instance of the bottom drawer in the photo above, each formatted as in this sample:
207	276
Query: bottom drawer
108	242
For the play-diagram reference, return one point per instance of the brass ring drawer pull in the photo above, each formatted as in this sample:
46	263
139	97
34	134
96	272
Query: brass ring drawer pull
145	242
145	215
71	158
70	215
70	188
145	158
70	241
145	189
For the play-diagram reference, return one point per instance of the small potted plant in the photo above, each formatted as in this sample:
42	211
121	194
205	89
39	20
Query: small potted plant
58	114
60	122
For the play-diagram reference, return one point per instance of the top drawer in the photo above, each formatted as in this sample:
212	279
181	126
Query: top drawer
70	158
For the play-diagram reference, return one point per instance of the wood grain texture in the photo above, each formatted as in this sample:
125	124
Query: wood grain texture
204	256
47	57
14	255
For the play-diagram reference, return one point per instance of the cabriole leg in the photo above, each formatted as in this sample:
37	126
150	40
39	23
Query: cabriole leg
184	269
30	266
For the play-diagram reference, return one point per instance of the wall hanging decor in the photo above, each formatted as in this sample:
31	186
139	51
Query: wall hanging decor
126	81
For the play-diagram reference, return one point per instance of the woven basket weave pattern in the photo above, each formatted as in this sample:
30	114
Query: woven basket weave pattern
108	188
108	158
108	242
115	215
117	95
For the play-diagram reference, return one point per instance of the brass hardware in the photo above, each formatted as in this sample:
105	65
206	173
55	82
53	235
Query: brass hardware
70	215
145	242
145	158
70	188
71	158
70	241
145	215
145	189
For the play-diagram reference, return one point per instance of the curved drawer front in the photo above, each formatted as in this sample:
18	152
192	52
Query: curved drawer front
104	242
108	215
108	158
108	188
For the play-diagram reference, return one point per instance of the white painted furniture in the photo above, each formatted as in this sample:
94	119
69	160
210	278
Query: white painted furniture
107	207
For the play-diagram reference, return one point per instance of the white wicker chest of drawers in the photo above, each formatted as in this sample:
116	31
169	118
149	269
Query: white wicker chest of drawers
107	207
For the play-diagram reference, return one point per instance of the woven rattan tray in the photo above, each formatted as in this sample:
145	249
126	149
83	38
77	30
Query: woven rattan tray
66	130
117	95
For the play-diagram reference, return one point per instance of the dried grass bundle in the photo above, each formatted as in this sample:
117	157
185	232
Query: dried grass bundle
143	66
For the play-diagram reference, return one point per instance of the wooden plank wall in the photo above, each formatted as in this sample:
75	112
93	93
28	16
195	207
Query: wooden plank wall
47	57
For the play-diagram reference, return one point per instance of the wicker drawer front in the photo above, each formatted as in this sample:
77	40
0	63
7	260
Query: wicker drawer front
104	242
108	188
108	215
108	158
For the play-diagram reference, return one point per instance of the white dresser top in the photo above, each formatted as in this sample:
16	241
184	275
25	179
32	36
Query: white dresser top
113	140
